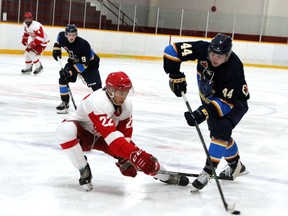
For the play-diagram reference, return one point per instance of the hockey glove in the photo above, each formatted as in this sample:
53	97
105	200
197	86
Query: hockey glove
178	83
66	72
145	162
126	167
198	116
57	53
31	46
24	40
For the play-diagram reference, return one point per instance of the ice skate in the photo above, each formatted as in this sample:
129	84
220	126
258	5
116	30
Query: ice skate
232	171
63	107
27	71
176	180
85	178
201	181
38	70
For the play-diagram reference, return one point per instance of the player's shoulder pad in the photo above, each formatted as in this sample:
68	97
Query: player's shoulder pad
35	25
170	51
83	42
100	103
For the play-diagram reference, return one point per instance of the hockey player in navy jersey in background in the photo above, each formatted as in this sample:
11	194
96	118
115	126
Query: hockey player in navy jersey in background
35	39
223	92
103	122
82	60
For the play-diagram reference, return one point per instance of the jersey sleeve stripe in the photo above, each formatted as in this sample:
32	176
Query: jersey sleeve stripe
113	136
171	54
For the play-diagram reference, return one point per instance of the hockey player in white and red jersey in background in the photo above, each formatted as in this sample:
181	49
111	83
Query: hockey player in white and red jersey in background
103	122
35	45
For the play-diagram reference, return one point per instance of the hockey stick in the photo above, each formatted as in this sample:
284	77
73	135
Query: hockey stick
166	172
70	92
228	208
189	174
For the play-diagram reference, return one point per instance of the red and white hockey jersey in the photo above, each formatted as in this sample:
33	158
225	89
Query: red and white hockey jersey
37	33
96	114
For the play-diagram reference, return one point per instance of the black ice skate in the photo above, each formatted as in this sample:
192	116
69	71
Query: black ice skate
26	71
38	70
201	181
85	178
233	170
63	107
176	180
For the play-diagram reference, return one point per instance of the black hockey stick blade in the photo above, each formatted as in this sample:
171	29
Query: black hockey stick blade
189	174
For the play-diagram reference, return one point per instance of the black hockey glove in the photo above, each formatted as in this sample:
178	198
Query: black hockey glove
177	83
57	53
66	72
198	116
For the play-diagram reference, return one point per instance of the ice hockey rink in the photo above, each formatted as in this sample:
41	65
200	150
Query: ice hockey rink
36	177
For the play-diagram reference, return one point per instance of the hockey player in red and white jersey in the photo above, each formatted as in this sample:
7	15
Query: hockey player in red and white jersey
103	121
35	46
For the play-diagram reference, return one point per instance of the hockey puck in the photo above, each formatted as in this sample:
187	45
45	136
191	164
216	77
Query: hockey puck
236	212
184	181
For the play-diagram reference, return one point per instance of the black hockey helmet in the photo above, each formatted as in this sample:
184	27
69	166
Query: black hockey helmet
71	28
221	44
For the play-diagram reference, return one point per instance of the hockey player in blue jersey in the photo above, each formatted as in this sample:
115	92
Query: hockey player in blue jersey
82	61
223	92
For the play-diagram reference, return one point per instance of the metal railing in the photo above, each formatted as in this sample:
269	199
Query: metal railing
109	15
122	17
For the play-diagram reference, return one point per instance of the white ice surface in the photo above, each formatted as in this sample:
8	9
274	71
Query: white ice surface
36	177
